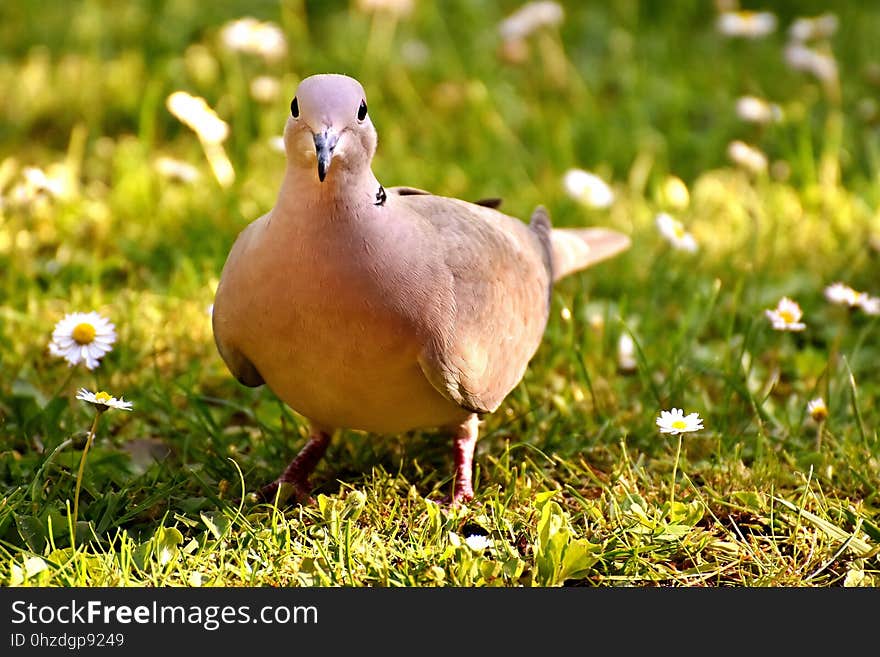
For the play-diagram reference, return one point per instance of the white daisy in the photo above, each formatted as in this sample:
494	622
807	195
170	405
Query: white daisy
478	542
626	353
588	188
757	110
840	293
254	37
529	18
820	64
845	295
786	316
673	230
675	422
869	305
748	24
40	182
816	27
103	400
747	156
85	337
817	409
195	113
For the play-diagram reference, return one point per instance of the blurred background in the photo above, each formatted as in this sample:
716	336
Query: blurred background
738	143
597	85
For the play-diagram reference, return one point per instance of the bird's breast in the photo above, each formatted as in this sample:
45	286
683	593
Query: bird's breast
336	329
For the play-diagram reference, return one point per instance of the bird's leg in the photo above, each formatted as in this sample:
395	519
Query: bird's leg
464	440
295	478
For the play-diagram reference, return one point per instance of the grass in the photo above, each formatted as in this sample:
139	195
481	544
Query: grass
575	486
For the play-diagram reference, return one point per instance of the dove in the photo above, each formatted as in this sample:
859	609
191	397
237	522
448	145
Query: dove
384	310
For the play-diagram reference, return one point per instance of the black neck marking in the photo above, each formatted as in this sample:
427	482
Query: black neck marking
381	196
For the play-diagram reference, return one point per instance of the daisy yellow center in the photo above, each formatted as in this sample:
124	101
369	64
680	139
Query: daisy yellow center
679	231
679	424
83	333
787	316
102	397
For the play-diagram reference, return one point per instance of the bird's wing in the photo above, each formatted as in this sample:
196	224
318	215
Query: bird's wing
408	191
224	314
500	270
491	202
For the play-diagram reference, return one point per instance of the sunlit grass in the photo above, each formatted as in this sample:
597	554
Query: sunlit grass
575	484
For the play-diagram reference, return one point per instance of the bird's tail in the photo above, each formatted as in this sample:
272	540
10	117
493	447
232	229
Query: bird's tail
575	249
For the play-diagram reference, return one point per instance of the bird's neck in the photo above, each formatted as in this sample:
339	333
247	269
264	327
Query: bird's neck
341	189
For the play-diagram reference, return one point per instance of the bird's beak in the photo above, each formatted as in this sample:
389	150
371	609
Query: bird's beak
325	142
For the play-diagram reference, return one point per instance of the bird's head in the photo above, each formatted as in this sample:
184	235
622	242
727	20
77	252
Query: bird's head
329	131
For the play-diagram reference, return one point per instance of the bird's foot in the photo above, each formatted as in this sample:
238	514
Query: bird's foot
460	497
281	491
294	481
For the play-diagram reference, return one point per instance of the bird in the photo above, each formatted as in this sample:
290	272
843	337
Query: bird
384	310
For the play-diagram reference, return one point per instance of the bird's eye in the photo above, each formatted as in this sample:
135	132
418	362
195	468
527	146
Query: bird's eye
294	108
362	111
